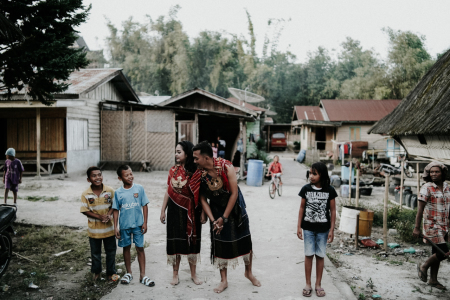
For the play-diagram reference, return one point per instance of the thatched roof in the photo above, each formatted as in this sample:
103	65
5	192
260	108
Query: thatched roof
426	110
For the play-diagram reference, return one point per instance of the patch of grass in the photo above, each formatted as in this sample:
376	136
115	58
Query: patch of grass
39	198
353	287
370	284
396	262
334	258
361	296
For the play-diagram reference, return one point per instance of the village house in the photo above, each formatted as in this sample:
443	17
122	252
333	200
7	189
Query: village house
342	121
65	136
421	122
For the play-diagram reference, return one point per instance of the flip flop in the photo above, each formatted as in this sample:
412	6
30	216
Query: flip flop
320	290
423	276
307	292
126	279
438	286
147	282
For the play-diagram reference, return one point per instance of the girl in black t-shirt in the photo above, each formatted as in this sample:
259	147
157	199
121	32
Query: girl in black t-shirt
316	220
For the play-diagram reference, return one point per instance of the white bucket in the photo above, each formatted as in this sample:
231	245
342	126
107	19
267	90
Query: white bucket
348	219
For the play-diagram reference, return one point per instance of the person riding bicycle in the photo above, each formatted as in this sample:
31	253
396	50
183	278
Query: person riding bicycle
275	169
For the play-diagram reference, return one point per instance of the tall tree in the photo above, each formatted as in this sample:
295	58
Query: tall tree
44	59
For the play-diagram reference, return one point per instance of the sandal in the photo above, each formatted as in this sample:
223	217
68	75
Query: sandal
147	281
307	292
126	279
438	286
423	276
320	292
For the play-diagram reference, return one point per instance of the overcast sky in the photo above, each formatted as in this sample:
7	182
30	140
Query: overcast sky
312	23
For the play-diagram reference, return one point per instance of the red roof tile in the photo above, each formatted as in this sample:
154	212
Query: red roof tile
309	113
358	110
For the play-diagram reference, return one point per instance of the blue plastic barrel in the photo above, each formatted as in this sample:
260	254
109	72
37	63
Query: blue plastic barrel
301	156
255	172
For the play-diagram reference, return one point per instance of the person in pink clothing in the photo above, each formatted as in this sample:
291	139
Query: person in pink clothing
12	174
214	148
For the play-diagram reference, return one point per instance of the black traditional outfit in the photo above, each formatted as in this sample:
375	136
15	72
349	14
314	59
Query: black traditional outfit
234	240
184	226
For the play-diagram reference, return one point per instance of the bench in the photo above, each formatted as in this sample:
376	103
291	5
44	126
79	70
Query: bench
49	162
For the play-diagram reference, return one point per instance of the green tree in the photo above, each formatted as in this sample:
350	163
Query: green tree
44	59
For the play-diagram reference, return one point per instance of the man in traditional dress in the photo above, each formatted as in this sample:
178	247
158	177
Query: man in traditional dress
230	231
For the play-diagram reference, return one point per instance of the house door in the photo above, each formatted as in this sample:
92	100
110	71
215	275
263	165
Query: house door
186	131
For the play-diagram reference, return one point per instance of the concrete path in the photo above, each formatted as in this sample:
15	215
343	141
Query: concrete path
279	253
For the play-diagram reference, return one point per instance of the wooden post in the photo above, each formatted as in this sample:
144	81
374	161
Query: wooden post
418	180
38	142
386	196
401	184
357	232
357	188
350	184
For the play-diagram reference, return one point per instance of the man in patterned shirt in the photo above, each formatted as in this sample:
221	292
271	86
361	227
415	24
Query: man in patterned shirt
96	204
433	207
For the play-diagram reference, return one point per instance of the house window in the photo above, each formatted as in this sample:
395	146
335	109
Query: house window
422	139
77	134
355	133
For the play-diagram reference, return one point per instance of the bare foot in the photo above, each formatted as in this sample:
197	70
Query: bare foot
96	276
253	279
196	280
221	287
175	280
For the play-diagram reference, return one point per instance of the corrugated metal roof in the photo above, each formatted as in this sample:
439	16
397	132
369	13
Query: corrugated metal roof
246	104
309	113
358	110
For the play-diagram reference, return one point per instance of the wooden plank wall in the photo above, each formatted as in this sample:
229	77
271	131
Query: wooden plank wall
91	112
21	131
156	147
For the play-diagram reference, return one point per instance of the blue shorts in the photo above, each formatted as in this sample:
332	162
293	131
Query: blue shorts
315	243
125	237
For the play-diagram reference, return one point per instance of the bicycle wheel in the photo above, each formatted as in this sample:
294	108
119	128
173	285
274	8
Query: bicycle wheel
279	188
272	191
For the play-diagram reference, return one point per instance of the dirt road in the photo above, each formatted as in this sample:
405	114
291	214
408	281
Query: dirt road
279	253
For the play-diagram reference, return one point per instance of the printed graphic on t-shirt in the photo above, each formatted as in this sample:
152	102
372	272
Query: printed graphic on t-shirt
136	195
91	199
316	207
107	197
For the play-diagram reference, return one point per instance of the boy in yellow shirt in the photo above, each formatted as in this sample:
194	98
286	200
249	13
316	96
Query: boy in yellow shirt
96	204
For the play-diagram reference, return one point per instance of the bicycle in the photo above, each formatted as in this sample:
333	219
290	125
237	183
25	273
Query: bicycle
275	187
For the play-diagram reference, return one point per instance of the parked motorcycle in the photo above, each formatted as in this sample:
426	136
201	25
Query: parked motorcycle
7	217
390	169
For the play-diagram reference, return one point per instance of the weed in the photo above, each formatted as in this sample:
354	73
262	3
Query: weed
39	198
353	287
370	284
361	296
396	262
334	258
417	289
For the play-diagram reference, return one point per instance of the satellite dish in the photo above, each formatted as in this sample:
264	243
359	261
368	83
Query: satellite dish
245	95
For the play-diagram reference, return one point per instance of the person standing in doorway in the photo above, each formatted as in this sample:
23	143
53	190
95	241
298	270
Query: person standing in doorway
229	223
184	214
221	144
433	208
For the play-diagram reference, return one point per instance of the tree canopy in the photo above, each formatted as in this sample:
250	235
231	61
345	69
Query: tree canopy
43	59
158	55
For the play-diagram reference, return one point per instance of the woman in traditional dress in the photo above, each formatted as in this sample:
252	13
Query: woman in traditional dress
184	214
230	231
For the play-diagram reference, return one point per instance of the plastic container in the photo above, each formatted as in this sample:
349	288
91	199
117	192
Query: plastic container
345	174
407	200
365	222
413	201
335	181
348	219
301	156
344	191
255	172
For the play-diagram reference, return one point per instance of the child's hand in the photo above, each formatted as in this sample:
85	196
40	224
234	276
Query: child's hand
300	233
3	180
117	233
104	218
144	228
330	237
20	180
163	217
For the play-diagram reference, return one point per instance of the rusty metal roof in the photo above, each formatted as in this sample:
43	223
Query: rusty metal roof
358	110
246	104
309	113
86	80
